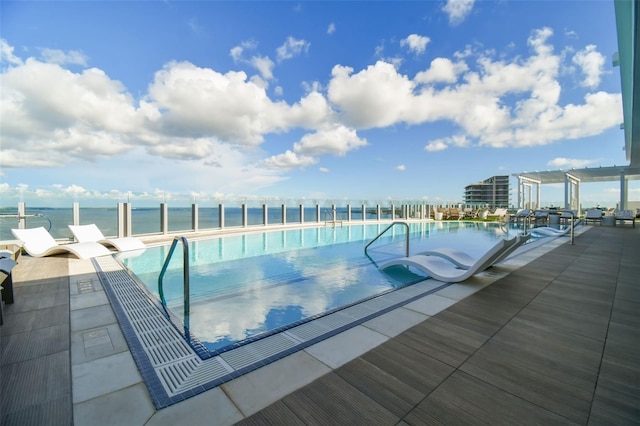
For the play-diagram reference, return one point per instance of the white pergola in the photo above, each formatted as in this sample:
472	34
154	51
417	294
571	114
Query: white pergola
628	59
529	183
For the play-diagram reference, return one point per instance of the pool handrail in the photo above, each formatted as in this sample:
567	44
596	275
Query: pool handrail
185	274
385	230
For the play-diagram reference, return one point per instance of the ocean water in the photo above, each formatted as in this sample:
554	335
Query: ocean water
147	220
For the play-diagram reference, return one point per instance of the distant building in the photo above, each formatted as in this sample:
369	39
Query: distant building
492	193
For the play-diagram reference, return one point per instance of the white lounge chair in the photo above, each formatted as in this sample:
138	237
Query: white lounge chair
567	215
91	233
541	216
499	213
625	216
593	215
445	271
463	260
38	242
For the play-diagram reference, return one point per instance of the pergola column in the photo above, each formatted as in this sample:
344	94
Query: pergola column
571	192
624	189
523	184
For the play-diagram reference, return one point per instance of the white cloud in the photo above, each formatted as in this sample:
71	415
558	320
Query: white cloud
291	47
331	29
194	26
335	141
200	102
379	50
289	160
569	163
379	96
6	53
443	143
264	65
401	168
416	43
591	63
323	170
441	70
236	53
52	116
375	97
436	145
55	56
458	10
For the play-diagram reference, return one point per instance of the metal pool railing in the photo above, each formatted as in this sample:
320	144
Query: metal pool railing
185	271
385	230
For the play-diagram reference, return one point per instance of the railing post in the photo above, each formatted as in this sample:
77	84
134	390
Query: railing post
284	214
128	222
194	217
245	217
364	212
301	207
348	212
221	216
378	212
572	223
318	213
22	213
76	213
121	220
265	214
164	218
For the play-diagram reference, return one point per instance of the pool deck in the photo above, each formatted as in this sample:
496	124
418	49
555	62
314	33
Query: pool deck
551	337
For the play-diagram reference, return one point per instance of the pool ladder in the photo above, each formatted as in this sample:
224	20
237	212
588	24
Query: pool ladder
185	272
385	230
332	217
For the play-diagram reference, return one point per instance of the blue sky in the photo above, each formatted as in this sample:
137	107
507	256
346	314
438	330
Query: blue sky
316	100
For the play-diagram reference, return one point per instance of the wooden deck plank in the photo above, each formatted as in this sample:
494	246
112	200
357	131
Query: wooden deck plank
575	301
626	312
613	401
443	341
494	308
414	368
463	399
330	400
551	316
557	354
533	379
388	391
276	414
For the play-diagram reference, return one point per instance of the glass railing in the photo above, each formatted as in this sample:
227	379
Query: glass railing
144	218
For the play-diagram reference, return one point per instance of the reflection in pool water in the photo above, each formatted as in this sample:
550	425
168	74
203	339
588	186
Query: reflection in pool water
249	285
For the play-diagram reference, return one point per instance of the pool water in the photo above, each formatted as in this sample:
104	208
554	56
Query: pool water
244	287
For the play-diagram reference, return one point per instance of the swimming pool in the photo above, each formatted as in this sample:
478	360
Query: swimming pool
246	287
